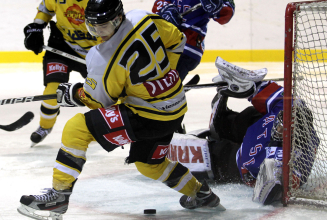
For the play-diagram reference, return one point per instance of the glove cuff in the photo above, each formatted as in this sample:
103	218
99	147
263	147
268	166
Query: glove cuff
37	25
72	91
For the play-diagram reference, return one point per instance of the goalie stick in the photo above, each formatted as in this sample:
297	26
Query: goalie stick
24	120
209	85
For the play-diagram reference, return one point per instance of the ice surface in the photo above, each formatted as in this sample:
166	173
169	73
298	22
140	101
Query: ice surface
107	188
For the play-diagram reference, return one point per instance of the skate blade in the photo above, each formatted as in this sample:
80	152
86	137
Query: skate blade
220	208
212	209
30	212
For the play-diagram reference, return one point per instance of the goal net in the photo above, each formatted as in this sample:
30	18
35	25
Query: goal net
305	103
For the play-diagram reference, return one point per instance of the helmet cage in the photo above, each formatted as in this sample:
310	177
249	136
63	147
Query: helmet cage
277	129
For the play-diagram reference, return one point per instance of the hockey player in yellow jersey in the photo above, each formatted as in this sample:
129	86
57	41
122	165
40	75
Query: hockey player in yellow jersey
68	34
135	66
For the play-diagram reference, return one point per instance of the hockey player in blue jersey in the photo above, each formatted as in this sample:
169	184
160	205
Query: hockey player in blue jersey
193	25
254	136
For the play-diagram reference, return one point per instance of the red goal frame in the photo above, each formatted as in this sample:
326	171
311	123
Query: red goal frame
288	85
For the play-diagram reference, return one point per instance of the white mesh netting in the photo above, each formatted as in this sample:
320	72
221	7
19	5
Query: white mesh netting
309	148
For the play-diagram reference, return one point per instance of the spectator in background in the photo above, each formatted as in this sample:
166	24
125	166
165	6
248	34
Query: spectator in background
68	34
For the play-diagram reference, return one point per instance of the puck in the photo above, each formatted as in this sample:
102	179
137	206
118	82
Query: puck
150	211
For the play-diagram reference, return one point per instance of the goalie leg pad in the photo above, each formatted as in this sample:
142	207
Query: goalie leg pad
268	187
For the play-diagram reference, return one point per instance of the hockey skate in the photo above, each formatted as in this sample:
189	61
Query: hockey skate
205	198
241	82
39	135
55	202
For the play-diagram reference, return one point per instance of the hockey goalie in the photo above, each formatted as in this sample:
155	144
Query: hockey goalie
246	147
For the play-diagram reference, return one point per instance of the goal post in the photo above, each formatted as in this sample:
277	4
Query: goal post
305	104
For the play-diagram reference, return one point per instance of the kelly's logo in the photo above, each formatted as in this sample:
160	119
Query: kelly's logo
118	138
160	152
56	68
112	116
75	14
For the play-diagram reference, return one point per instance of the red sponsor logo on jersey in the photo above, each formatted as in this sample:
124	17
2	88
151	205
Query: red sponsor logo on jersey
162	85
112	116
118	137
56	68
160	152
75	14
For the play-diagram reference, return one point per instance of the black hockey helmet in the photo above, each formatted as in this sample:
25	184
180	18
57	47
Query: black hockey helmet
104	17
101	11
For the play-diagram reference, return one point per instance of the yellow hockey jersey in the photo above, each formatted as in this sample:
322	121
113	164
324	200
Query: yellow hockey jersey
135	63
70	21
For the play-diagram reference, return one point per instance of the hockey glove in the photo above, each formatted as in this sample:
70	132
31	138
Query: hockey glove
212	6
65	94
170	13
34	37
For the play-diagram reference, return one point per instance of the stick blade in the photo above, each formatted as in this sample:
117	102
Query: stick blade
24	120
195	80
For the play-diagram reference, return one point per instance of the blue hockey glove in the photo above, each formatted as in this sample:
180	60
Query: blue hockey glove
170	13
34	37
212	6
65	94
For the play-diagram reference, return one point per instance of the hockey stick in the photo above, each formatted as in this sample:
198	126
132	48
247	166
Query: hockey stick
8	101
24	120
64	54
195	80
195	7
189	85
27	99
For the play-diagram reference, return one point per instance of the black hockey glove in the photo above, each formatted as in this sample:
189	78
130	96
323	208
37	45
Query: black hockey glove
34	37
170	13
212	6
65	94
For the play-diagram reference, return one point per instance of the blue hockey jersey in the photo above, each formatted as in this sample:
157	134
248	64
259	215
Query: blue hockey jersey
257	144
194	25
